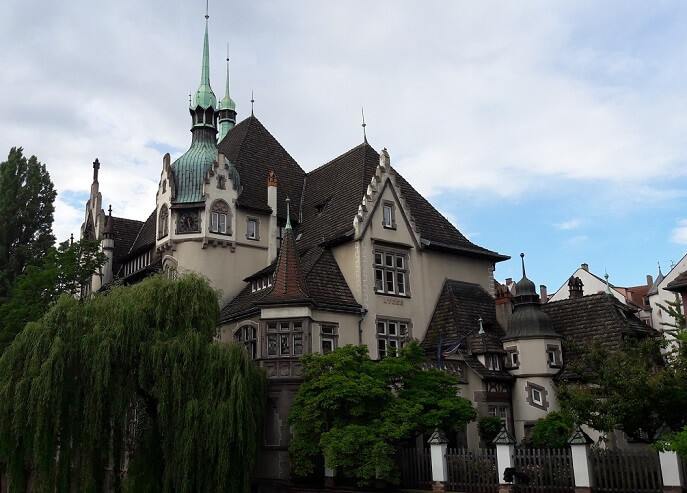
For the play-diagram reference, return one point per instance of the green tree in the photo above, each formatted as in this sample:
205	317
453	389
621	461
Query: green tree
635	389
488	427
26	215
356	412
552	431
134	372
65	270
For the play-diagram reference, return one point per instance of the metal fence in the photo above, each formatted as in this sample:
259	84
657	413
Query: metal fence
618	471
472	471
543	471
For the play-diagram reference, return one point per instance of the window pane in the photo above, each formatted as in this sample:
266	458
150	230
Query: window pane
214	221
272	345
392	328
327	346
328	329
222	223
402	329
400	262
283	326
401	282
389	260
382	348
271	327
297	327
379	280
378	258
389	281
381	328
284	347
297	343
387	216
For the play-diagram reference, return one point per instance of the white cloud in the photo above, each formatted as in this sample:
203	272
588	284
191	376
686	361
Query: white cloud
568	225
679	233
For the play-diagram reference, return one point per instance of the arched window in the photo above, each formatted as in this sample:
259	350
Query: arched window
163	222
219	218
247	335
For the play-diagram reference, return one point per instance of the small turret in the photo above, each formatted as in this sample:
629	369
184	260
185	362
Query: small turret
227	110
204	101
107	244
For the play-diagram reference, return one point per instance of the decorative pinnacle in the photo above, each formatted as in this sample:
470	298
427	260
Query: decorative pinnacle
481	327
288	214
252	100
109	211
522	259
362	111
608	287
71	239
207	9
96	167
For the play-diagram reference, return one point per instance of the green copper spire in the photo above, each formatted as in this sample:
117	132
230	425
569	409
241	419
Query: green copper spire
288	214
608	287
204	96
481	327
227	109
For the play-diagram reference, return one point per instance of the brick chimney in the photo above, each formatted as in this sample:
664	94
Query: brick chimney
504	305
585	266
649	280
543	295
575	287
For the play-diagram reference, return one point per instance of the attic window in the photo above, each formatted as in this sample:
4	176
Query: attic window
493	361
388	215
321	207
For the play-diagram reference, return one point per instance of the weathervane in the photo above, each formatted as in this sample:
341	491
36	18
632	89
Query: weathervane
252	100
362	111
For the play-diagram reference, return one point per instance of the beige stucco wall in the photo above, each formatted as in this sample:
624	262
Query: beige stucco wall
591	285
662	296
533	357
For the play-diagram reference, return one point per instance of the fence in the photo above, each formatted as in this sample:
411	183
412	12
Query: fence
616	471
415	467
547	470
472	471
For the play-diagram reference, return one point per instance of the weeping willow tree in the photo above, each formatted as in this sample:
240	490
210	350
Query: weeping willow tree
131	382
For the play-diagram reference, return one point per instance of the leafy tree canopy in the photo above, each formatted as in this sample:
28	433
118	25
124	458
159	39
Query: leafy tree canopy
488	427
552	431
65	270
133	372
356	411
26	215
637	389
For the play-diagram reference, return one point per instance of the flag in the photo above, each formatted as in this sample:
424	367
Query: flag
452	350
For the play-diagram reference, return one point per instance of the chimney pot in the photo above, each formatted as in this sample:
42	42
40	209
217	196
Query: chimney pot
543	295
585	266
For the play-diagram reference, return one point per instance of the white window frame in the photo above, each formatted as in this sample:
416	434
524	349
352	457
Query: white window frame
255	233
329	335
539	401
388	221
391	272
247	335
391	334
284	339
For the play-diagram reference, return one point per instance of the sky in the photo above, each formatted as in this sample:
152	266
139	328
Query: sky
557	129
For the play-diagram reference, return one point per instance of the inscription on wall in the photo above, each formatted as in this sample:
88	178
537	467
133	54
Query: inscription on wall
392	301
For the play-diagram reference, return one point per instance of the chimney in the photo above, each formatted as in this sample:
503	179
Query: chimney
504	306
585	266
649	280
509	281
575	287
543	295
273	228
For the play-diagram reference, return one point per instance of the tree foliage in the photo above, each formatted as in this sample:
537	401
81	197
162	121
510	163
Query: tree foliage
488	427
64	270
637	389
356	412
552	431
26	216
131	372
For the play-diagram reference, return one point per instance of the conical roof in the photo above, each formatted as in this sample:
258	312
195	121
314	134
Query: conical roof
204	96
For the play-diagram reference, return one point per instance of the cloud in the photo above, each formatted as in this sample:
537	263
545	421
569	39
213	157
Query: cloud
679	233
568	225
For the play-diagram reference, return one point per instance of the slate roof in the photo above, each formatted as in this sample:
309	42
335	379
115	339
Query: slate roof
254	152
334	191
324	283
679	284
125	232
288	283
189	169
598	317
456	315
145	239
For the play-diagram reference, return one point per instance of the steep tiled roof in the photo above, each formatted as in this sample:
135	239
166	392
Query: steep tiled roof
255	152
334	191
146	235
324	282
125	232
597	317
288	282
679	284
456	316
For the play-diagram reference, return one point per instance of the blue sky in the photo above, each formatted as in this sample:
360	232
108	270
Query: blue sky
551	128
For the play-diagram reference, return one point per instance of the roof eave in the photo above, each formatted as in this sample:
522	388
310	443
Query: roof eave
469	252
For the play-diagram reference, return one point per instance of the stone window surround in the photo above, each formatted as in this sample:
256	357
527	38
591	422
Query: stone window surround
219	206
510	352
388	204
265	334
399	339
556	350
384	269
163	222
529	388
256	220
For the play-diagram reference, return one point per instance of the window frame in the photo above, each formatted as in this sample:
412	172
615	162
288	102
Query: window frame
247	336
289	334
255	236
385	338
163	222
553	356
331	336
391	278
391	222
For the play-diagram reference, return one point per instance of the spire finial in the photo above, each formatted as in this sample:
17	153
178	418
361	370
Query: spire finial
109	211
362	111
252	100
71	239
288	214
96	167
481	327
608	287
659	269
522	259
207	9
204	97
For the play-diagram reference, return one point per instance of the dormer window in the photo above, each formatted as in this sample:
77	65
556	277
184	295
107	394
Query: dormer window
493	361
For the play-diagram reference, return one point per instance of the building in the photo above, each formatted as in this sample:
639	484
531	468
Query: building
666	288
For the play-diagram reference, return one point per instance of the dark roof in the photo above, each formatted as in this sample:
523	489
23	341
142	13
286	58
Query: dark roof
334	191
679	284
288	282
482	370
599	317
456	316
145	239
255	152
324	284
125	232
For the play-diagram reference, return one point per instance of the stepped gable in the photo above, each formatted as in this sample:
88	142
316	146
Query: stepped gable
324	282
456	316
125	232
599	317
254	152
334	191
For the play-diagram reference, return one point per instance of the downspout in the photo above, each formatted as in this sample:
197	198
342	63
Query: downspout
363	312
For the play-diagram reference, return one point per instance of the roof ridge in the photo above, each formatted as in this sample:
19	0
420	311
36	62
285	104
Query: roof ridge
254	118
348	152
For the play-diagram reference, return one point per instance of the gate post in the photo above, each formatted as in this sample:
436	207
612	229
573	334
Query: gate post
582	468
438	444
505	447
329	474
671	471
